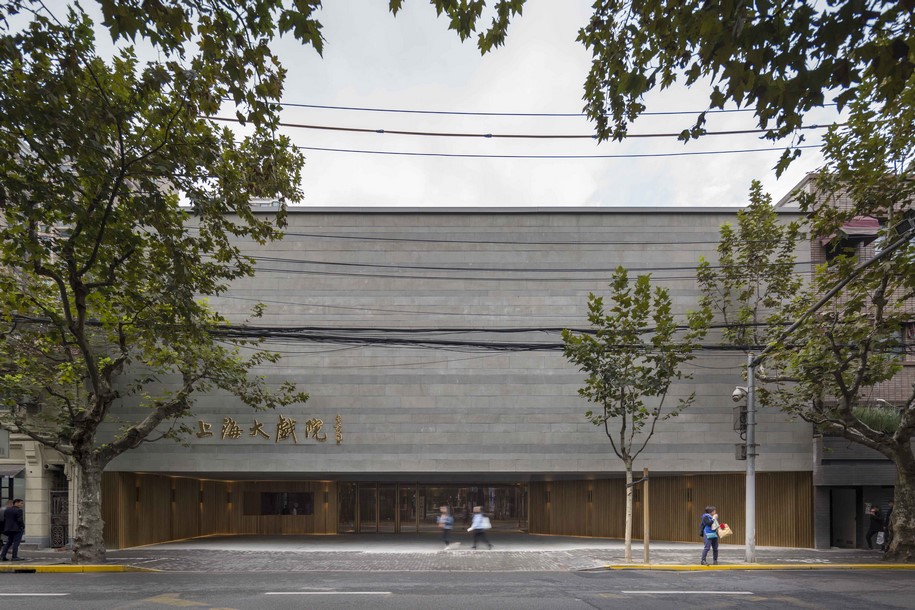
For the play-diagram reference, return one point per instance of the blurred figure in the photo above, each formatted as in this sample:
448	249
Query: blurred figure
875	527
445	523
479	525
888	527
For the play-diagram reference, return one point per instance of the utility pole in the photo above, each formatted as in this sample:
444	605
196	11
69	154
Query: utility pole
750	485
645	517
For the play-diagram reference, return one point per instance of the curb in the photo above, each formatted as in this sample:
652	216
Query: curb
763	566
68	568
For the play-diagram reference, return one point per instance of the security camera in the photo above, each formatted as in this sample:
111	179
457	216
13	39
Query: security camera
739	393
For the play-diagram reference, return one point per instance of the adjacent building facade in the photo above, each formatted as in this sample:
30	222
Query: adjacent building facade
849	478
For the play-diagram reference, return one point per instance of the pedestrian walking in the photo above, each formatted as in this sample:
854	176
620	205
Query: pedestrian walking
875	526
2	511
709	529
478	526
13	528
888	527
445	522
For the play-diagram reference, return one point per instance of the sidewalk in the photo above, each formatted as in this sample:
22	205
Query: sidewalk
513	552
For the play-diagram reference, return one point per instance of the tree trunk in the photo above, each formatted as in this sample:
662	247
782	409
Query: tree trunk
628	556
89	540
902	544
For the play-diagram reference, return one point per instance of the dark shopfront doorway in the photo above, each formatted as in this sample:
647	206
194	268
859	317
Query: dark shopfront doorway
391	508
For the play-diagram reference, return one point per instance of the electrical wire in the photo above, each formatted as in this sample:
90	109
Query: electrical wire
274	259
500	136
504	114
502	242
489	156
525	315
467	278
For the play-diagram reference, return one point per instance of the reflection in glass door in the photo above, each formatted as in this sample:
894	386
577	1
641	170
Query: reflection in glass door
368	509
387	509
346	512
408	521
371	508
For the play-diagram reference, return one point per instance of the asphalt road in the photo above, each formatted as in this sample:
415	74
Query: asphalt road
810	590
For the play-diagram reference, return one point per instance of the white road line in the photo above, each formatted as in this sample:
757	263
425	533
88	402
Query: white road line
687	592
327	593
33	594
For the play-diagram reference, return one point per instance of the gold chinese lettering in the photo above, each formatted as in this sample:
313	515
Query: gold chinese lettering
338	429
230	429
258	429
285	428
203	429
313	429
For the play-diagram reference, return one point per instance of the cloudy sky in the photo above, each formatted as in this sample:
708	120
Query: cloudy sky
412	62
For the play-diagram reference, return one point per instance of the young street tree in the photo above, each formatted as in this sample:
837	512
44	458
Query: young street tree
755	275
102	269
631	359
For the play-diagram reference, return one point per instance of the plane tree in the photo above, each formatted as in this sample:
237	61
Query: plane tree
631	356
831	350
120	210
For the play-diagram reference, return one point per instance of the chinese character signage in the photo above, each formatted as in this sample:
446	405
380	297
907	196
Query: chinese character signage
283	431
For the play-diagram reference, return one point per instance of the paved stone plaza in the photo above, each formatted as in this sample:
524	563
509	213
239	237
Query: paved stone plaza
513	552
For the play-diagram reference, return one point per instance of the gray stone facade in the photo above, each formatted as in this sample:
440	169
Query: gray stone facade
455	411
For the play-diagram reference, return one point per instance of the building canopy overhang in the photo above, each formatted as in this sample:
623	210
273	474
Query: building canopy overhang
11	470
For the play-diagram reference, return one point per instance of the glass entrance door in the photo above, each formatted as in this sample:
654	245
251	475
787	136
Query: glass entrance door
391	508
368	509
387	509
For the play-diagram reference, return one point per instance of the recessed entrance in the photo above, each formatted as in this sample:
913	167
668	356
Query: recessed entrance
389	508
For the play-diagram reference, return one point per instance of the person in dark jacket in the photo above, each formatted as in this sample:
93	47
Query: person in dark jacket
875	527
888	527
3	510
13	528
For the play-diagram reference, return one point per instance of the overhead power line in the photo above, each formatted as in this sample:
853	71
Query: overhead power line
635	270
411	338
506	242
404	276
485	156
528	136
515	114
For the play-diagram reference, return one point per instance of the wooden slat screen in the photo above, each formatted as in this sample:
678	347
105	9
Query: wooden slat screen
139	508
784	508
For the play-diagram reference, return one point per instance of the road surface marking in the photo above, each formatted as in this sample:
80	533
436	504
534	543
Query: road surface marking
687	592
33	594
327	593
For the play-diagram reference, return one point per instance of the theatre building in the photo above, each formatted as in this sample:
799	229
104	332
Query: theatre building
429	342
